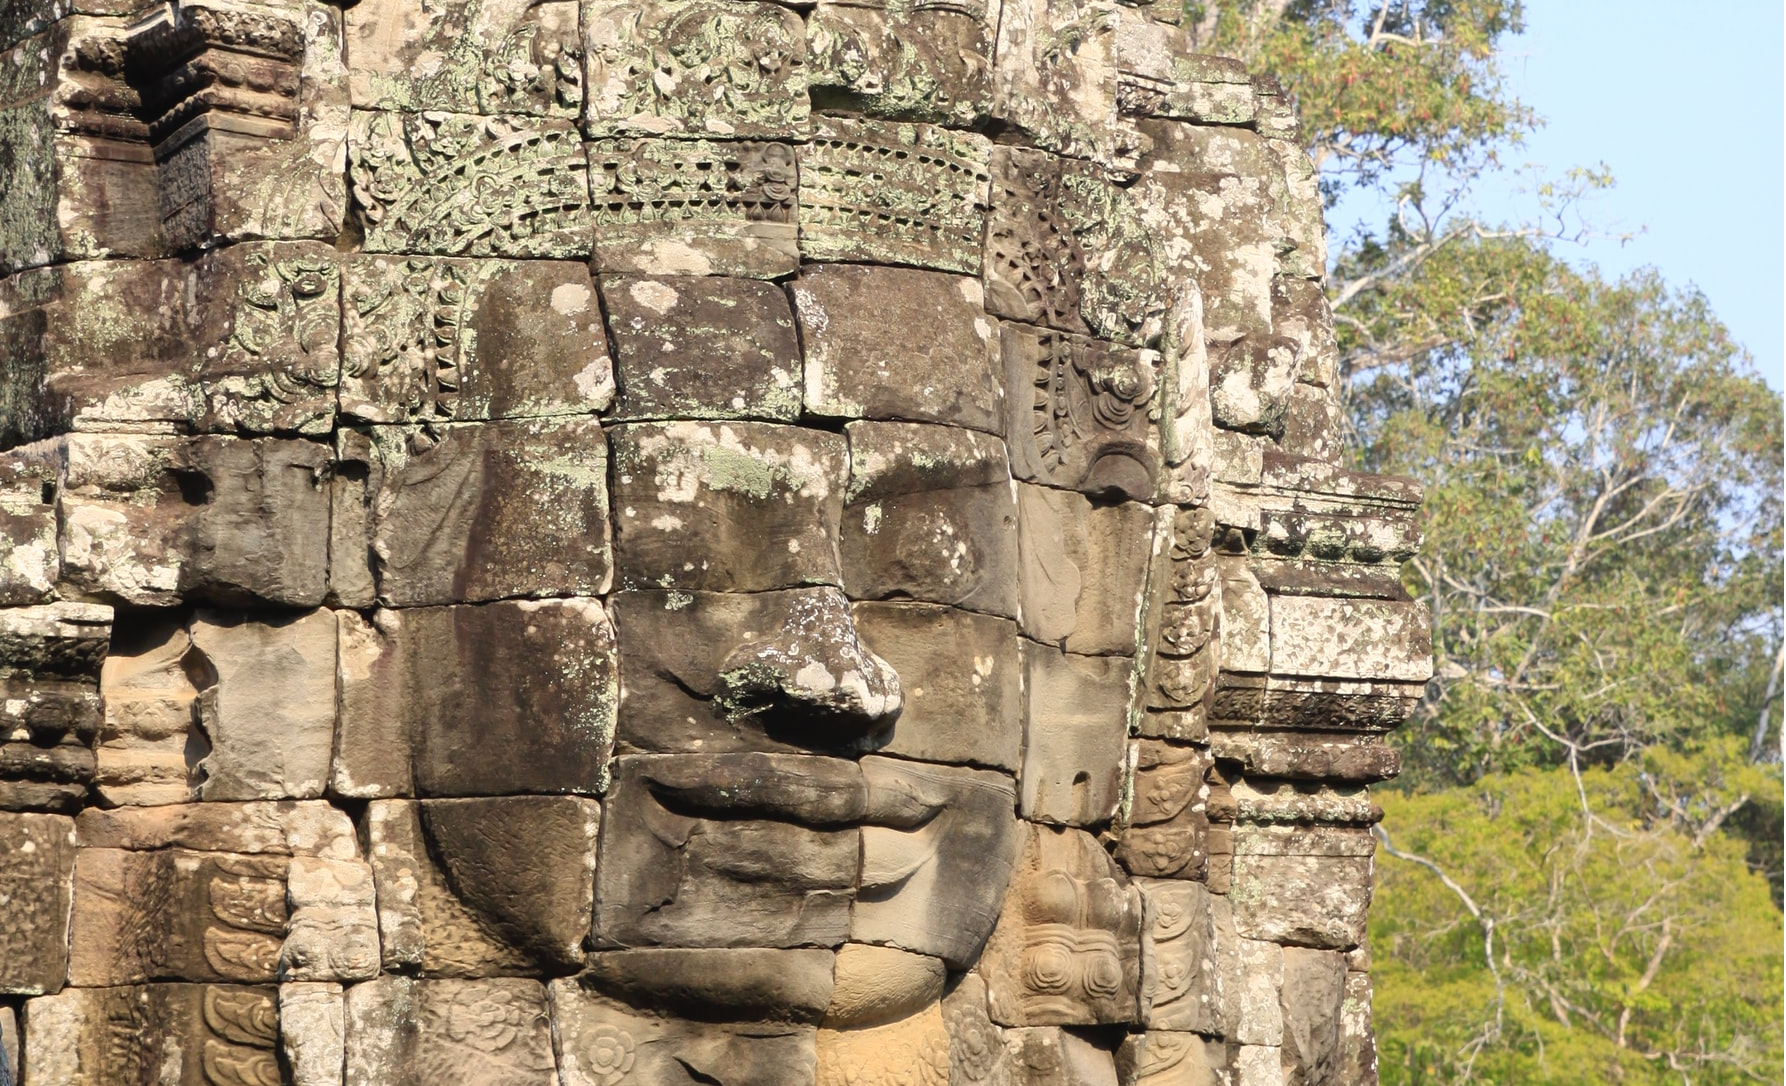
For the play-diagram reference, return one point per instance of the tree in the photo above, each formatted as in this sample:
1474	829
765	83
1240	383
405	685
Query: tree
1588	827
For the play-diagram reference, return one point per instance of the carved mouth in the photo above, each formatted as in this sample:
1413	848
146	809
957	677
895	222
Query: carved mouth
807	790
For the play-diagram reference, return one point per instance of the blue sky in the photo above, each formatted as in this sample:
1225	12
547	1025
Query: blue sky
1684	104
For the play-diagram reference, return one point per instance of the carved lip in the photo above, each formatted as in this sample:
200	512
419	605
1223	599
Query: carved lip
807	790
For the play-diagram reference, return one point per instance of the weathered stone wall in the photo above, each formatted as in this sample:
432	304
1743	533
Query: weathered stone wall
584	542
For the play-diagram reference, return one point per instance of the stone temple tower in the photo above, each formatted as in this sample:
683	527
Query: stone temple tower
655	542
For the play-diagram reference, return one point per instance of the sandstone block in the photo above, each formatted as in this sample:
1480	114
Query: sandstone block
242	340
694	206
312	828
977	1051
1084	570
1251	977
917	1044
174	914
523	865
1067	947
762	501
160	703
714	671
1035	262
1314	1004
37	855
50	659
906	63
1049	1056
247	111
272	721
167	1034
1350	638
887	193
1168	826
1338	757
1299	310
1246	619
463	340
1066	248
963	682
152	520
703	347
1357	1060
404	1032
1258	1065
1160	74
1063	99
731	874
750	56
861	361
470	887
1252	382
80	176
1087	427
1302	886
929	516
332	926
600	1041
937	855
1219	222
1180	981
9	1043
1301	203
313	1032
516	696
1075	735
503	57
456	184
30	563
474	512
1164	1058
735	984
422	923
876	985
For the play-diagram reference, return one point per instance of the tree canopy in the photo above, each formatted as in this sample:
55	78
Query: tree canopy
1576	881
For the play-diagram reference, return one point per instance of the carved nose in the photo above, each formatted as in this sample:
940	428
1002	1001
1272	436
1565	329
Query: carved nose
813	674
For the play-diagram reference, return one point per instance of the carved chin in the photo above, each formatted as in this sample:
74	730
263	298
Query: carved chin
1122	473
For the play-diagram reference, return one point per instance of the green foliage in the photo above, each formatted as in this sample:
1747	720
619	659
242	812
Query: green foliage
1621	949
1592	804
1603	523
1380	85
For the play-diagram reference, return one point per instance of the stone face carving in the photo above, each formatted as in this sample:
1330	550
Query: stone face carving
708	541
243	340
